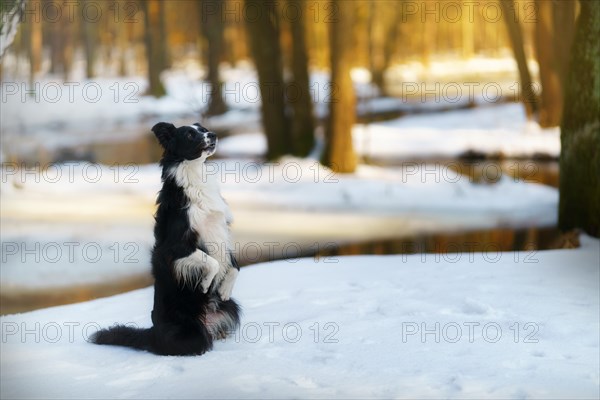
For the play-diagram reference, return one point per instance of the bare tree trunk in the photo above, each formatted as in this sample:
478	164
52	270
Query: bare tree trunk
299	97
89	33
122	38
10	18
467	36
545	39
55	36
376	31
263	33
235	43
155	45
67	50
391	18
579	205
339	150
213	28
429	31
516	40
35	49
383	29
392	34
564	22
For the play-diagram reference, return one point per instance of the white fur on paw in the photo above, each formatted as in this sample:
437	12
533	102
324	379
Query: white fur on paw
210	271
196	269
226	286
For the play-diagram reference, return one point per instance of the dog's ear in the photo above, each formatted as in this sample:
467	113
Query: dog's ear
164	133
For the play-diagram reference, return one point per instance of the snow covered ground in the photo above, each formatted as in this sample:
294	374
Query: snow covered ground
496	130
467	325
79	223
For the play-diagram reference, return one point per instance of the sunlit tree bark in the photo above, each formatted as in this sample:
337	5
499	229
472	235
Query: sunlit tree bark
89	33
10	17
579	205
155	45
527	94
546	37
383	27
35	49
564	22
377	26
299	96
468	35
339	150
263	34
213	28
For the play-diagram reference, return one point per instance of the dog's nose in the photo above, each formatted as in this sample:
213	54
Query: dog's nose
211	135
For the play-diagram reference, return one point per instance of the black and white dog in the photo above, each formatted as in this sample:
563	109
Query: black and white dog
192	261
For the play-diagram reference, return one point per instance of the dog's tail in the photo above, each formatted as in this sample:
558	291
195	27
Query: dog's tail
122	335
166	340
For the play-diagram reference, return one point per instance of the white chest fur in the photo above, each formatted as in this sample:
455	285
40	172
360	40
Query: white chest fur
207	211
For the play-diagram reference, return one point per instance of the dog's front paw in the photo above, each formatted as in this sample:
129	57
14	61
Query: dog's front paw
210	270
226	286
197	269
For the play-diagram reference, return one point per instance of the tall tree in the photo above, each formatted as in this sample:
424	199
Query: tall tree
122	41
551	98
579	205
339	150
10	17
299	97
528	95
376	32
55	40
68	32
564	22
90	37
429	28
213	28
467	35
155	37
383	30
35	48
263	33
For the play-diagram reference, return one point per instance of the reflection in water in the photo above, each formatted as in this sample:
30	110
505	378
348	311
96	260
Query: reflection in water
490	240
447	247
490	171
32	299
483	171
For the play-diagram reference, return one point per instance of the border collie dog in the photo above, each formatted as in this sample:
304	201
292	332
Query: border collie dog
192	260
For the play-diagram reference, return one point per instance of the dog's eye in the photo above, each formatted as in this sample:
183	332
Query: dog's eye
189	135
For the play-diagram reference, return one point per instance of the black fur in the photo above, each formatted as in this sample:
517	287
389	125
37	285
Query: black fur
185	320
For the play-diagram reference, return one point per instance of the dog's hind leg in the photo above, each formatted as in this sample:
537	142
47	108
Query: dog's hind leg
182	340
224	320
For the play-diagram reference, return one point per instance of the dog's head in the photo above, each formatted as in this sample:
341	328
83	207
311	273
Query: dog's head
188	142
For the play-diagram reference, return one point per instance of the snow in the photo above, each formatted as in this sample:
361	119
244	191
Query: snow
452	69
490	130
494	130
107	211
466	325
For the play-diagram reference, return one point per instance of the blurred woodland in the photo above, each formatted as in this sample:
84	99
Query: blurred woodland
287	38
